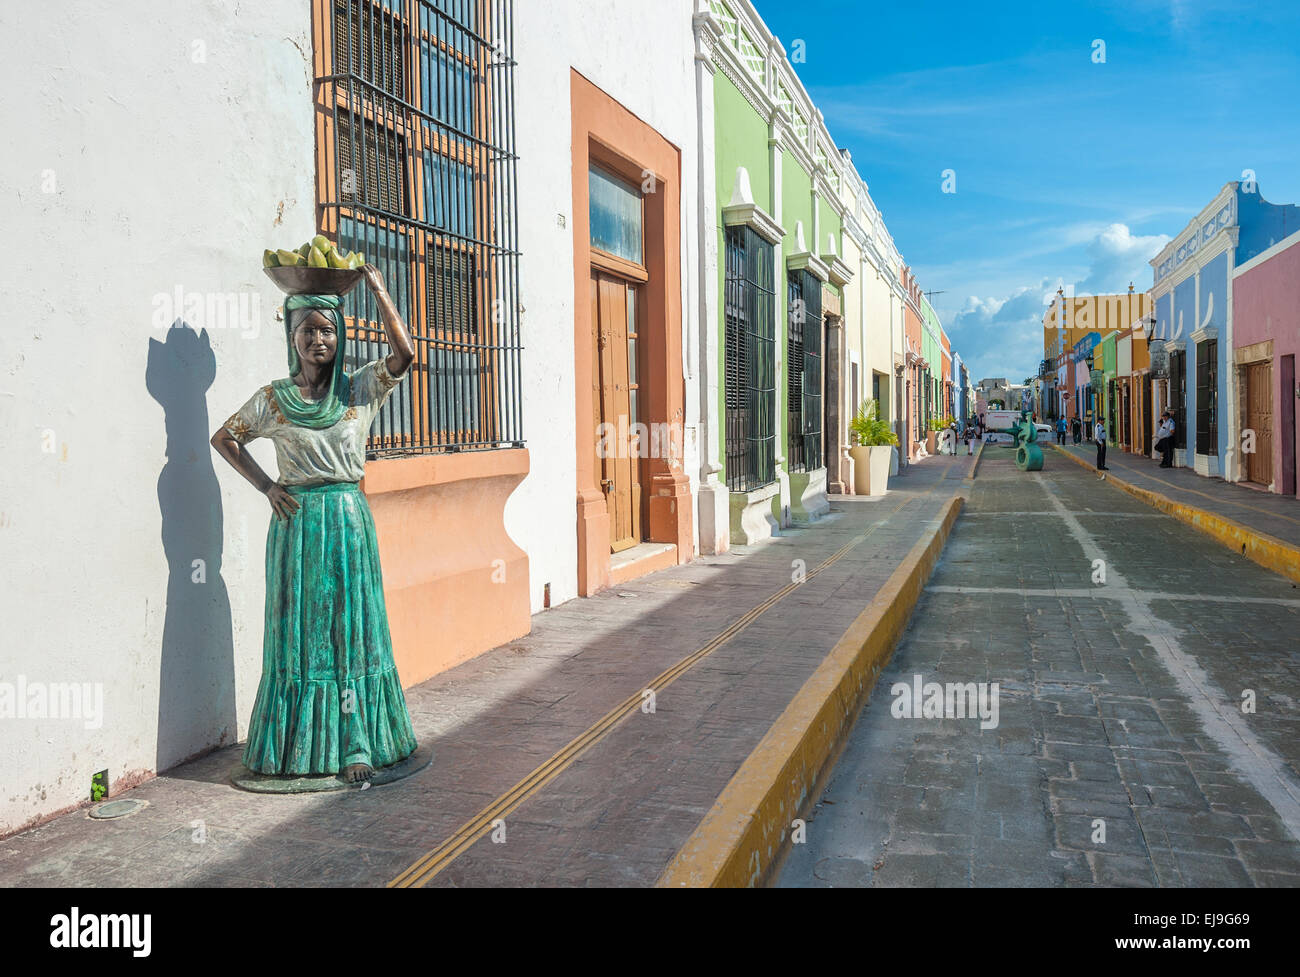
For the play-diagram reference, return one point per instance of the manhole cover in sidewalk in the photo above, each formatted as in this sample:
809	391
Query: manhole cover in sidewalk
116	809
265	783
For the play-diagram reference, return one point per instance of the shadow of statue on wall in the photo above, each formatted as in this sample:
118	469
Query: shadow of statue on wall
196	688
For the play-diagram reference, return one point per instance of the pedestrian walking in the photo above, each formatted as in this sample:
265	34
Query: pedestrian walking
1077	429
1060	431
1099	435
1165	439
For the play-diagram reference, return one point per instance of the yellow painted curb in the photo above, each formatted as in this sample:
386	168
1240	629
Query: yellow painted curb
743	835
1268	551
970	476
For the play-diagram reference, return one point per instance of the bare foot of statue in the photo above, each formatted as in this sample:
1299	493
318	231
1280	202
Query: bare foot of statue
354	773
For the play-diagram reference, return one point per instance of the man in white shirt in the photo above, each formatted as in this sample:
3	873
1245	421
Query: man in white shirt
1099	435
1165	440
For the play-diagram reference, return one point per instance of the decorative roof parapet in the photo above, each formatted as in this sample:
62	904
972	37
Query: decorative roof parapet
756	62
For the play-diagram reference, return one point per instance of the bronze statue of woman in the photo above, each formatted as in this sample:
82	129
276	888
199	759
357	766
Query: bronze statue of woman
330	701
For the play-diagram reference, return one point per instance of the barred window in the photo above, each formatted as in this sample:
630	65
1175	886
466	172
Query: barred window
750	368
1178	395
1207	397
804	372
416	168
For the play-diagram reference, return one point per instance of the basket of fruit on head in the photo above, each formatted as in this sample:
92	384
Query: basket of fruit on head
316	268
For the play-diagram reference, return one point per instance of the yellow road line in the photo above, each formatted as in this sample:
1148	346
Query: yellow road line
432	862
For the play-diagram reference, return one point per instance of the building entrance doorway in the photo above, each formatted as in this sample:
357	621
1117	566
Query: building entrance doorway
1259	418
614	404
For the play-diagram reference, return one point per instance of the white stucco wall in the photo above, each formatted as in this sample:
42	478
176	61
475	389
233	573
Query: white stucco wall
163	159
876	355
139	163
642	56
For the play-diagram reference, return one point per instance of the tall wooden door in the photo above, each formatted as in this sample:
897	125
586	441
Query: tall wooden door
614	397
1259	418
1286	424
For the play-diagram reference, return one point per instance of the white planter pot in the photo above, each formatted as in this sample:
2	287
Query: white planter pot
871	469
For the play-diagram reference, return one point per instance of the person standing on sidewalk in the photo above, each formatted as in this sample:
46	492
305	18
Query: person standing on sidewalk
1099	435
1077	429
1165	440
1060	431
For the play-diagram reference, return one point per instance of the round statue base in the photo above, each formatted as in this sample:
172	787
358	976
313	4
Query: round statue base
266	783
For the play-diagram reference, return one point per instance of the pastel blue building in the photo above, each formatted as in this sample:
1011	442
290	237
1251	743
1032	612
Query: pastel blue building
1193	313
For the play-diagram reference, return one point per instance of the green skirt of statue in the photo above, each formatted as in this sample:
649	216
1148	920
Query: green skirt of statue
329	694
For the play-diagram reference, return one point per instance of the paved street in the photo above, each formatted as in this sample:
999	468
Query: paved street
1264	512
1120	708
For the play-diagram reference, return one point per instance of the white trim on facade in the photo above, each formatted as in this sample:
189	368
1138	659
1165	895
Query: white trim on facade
743	210
1287	242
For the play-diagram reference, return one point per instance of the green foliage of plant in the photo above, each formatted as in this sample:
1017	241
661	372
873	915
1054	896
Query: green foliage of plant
868	429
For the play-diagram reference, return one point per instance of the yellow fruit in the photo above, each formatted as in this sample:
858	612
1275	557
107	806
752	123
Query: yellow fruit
269	260
305	249
315	259
322	243
356	259
336	260
289	259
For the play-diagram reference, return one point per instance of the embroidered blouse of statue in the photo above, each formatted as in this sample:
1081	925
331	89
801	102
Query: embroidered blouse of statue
312	455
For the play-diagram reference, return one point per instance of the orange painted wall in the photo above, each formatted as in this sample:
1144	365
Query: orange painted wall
455	584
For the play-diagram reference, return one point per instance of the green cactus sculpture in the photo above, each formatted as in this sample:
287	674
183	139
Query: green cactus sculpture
1029	456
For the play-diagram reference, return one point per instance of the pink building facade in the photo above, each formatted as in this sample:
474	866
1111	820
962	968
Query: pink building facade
1266	342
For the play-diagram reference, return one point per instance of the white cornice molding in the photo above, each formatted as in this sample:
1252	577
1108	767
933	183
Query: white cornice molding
743	210
803	259
1223	242
855	231
840	273
1204	333
1200	233
708	32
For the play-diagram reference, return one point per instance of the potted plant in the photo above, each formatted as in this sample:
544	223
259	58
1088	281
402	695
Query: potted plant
932	428
873	443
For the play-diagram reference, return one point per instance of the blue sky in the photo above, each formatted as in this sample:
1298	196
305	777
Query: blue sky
1067	171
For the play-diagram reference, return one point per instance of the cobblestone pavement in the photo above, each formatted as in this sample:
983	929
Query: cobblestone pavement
615	815
1121	705
1267	512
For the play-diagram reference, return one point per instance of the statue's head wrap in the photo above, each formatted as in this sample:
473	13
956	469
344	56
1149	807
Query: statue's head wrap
326	411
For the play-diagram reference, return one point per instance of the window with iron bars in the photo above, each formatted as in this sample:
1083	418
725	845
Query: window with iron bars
1207	397
416	164
1178	395
804	372
750	368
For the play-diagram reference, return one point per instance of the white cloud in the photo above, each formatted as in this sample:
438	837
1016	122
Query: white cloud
1118	257
1002	336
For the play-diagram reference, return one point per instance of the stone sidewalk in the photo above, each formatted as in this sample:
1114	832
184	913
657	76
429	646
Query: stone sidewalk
1122	642
599	801
1265	512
